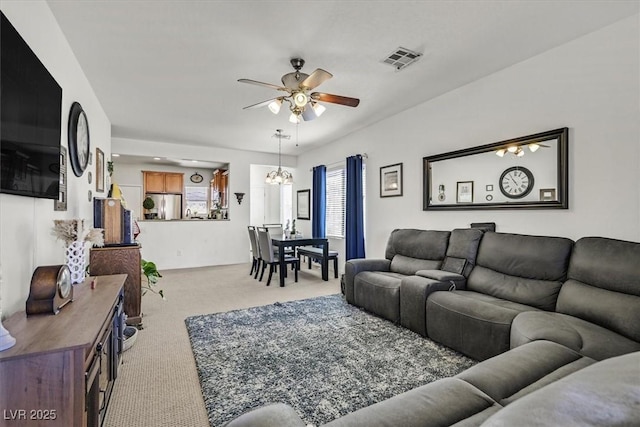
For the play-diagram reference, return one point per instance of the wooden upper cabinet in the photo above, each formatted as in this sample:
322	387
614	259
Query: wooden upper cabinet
163	182
173	182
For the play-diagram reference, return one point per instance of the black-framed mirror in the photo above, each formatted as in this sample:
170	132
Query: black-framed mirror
527	172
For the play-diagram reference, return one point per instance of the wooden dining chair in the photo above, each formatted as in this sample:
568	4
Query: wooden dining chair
270	258
255	252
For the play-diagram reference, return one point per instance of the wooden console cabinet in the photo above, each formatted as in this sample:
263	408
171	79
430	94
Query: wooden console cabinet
122	260
62	369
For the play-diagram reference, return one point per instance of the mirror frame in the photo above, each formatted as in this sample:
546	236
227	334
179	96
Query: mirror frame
562	202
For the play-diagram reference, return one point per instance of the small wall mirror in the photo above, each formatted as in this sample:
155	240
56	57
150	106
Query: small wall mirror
527	172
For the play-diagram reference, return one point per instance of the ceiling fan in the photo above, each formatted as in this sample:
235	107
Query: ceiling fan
297	85
518	151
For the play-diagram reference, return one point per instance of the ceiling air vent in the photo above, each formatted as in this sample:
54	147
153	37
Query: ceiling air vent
401	58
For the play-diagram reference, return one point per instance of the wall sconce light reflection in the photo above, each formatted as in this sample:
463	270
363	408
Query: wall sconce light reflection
239	196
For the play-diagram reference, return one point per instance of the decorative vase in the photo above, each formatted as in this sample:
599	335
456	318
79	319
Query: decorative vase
75	261
6	340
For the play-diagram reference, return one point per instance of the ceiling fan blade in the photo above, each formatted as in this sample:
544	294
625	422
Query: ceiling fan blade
257	83
315	79
261	104
335	99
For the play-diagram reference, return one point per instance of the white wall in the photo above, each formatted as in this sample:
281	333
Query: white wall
187	244
25	223
590	85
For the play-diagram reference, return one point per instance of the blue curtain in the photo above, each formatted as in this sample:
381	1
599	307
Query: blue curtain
355	209
319	204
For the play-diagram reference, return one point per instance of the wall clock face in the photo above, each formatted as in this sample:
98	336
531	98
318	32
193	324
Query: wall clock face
78	137
196	177
516	182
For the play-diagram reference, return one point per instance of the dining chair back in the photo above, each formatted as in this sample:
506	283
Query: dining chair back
255	251
274	229
269	257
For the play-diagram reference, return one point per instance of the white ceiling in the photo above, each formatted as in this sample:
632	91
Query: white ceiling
168	70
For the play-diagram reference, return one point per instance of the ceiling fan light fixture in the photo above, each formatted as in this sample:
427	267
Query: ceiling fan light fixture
512	149
300	99
318	108
519	152
295	118
500	152
534	147
274	106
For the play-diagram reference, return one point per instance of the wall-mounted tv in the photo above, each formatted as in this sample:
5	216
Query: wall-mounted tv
31	116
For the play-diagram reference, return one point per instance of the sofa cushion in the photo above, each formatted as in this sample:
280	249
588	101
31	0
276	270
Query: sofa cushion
440	403
464	244
542	294
408	265
379	293
274	415
577	334
522	256
524	269
603	394
421	244
472	323
520	371
606	271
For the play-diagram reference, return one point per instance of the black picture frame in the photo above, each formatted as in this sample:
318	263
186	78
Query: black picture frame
303	204
391	180
561	136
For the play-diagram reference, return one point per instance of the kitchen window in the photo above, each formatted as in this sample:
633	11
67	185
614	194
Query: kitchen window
195	201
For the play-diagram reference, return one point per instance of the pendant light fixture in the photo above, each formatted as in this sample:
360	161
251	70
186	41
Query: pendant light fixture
280	176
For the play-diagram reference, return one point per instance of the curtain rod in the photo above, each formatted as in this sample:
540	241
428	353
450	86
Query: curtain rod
364	155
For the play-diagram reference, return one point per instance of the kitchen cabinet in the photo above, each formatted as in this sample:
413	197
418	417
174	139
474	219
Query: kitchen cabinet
63	367
163	182
219	185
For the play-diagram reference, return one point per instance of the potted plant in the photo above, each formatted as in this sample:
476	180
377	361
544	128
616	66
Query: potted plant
149	204
150	271
217	211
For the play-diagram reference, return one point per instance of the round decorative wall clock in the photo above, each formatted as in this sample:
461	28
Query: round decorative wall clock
516	182
196	177
78	138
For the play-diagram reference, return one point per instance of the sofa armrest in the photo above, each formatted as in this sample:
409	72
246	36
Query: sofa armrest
355	266
275	415
444	276
414	291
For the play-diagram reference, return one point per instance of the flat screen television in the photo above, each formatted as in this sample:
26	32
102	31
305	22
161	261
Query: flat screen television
31	116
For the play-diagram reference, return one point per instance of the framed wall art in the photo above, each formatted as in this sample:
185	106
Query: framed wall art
303	204
464	193
391	180
99	171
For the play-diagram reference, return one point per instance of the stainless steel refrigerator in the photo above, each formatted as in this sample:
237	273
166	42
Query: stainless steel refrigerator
169	205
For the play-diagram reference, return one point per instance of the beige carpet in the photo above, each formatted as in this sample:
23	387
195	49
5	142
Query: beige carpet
157	383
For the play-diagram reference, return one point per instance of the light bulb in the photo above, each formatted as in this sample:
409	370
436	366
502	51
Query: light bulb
274	106
318	109
294	118
500	153
520	152
300	99
512	149
534	147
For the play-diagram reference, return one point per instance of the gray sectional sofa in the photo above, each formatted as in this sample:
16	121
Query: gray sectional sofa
556	324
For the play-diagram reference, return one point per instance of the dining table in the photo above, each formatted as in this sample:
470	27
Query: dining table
284	241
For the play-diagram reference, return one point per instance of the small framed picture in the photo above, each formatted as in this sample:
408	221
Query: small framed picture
391	180
99	171
464	193
303	204
547	194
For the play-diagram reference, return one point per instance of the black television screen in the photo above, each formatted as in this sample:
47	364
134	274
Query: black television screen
31	115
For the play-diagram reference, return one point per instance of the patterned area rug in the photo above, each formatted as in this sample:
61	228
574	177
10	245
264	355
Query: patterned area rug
322	356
